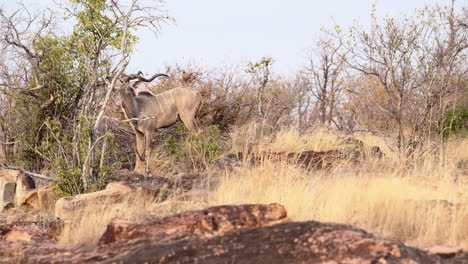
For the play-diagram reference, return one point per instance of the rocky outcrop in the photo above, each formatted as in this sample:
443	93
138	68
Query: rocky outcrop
351	151
183	182
43	198
24	185
115	194
7	192
15	185
210	222
311	159
304	242
307	159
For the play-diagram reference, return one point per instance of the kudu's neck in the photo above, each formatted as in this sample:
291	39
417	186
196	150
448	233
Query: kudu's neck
127	95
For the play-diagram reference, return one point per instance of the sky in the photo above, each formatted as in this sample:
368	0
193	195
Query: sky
233	32
215	32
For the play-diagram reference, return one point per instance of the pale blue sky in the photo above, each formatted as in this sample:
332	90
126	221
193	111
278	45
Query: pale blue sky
216	32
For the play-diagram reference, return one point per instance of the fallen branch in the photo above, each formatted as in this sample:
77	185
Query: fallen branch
32	174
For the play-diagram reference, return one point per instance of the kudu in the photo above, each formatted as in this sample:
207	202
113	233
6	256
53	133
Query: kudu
148	112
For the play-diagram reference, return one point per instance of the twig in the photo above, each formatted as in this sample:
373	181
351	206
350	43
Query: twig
8	143
130	119
32	174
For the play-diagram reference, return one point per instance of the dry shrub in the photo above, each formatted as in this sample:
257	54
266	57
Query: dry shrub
244	138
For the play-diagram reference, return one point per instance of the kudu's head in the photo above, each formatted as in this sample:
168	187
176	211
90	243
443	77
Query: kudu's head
124	85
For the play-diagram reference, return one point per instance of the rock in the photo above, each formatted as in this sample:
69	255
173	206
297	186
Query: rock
30	231
12	175
117	193
183	182
120	230
210	222
308	159
24	185
25	182
303	242
307	242
41	199
7	192
221	234
445	251
18	235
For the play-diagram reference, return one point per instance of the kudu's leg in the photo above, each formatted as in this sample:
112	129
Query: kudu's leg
189	120
191	124
140	152
148	136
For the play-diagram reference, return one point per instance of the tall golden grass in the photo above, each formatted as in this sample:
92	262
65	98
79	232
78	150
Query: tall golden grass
421	202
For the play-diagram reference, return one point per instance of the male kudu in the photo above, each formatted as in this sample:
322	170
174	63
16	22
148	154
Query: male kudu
148	112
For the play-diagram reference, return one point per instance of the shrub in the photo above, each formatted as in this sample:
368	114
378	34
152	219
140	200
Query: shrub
455	122
202	150
195	151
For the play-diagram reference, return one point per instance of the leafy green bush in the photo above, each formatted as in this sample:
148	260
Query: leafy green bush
67	160
195	151
455	122
202	149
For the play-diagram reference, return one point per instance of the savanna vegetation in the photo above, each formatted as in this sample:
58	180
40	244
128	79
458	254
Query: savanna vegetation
400	84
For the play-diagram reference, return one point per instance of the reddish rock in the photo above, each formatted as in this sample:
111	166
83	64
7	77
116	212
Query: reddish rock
445	251
210	222
304	242
223	234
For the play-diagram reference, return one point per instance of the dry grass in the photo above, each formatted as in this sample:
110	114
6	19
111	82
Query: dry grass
380	196
90	222
319	139
423	202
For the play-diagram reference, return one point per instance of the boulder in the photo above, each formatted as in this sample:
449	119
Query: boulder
445	252
18	235
304	242
41	199
7	192
294	242
9	173
117	193
210	222
24	185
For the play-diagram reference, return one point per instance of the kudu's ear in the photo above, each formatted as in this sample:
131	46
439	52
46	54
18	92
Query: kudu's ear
136	84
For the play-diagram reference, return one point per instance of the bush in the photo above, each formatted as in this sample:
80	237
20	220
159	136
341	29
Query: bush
195	151
202	150
456	122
